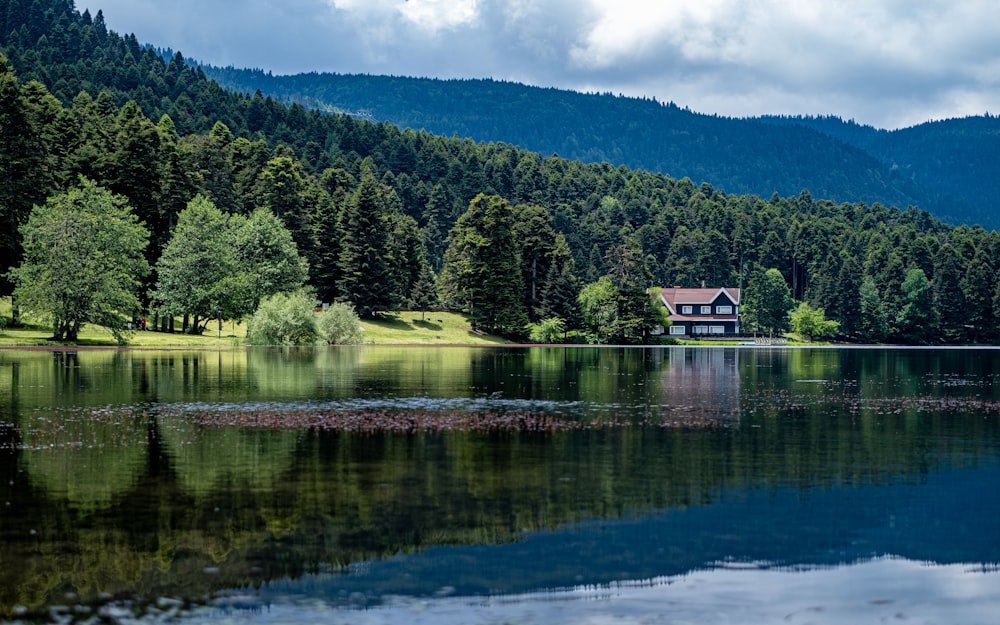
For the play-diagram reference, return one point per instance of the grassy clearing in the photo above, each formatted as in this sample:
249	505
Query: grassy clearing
400	328
436	328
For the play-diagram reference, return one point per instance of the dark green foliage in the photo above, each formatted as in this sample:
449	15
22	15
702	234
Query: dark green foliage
482	268
977	288
366	278
873	325
85	107
766	302
423	295
915	322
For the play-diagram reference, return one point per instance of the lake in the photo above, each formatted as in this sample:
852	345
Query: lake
501	484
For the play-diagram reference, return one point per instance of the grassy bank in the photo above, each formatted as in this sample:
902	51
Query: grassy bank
435	328
402	328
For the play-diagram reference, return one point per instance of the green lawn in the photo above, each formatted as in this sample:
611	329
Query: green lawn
436	328
400	328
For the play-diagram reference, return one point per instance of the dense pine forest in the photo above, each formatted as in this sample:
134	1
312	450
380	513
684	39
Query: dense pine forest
378	213
946	167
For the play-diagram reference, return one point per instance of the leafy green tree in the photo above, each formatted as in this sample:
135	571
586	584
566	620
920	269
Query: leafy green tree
481	272
268	260
285	319
340	325
599	307
915	322
551	330
83	261
196	274
812	322
766	302
365	275
873	325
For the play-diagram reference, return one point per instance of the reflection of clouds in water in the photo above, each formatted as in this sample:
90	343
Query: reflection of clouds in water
883	590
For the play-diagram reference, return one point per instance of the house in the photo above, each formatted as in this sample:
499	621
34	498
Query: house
698	312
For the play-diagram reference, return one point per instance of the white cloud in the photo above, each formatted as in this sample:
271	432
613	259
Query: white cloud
435	15
886	62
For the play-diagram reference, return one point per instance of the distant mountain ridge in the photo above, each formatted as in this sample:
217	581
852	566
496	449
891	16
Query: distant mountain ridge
948	168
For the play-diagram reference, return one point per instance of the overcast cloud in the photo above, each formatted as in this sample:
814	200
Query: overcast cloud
889	63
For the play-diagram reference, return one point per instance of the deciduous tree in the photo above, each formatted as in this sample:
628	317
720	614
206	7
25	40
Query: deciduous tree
766	302
83	261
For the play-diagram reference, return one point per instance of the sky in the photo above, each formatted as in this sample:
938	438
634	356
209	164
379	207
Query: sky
886	63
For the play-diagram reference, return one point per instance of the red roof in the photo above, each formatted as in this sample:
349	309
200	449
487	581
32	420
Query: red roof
675	297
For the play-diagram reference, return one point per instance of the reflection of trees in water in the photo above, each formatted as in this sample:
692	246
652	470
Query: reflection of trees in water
162	499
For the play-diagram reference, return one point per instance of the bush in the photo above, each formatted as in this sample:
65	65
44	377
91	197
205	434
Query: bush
285	319
812	323
552	330
340	325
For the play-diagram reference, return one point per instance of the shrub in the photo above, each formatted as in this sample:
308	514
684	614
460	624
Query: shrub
552	330
285	319
339	325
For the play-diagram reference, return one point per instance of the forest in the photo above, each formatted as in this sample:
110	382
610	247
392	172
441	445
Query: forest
946	166
377	212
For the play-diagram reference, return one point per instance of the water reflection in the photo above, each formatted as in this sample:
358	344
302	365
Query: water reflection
682	458
881	590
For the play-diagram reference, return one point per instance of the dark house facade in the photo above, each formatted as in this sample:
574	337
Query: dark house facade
702	312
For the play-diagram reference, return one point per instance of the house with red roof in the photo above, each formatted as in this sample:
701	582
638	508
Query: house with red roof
701	312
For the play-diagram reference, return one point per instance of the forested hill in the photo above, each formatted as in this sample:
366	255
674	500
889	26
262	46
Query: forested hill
947	167
374	208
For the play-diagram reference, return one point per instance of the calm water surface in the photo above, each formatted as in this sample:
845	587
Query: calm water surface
529	485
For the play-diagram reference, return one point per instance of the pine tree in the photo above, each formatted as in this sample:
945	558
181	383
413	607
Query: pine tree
424	295
947	296
977	286
481	271
872	323
366	279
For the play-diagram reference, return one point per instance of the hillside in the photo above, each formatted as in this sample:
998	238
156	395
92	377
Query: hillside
834	159
359	197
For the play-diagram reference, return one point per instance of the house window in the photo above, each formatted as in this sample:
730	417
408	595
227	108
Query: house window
706	310
717	330
686	310
701	329
724	310
678	330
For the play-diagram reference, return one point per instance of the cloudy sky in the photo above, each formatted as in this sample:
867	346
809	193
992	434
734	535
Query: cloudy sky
888	63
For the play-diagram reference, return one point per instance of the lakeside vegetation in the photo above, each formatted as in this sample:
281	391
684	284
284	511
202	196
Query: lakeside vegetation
385	219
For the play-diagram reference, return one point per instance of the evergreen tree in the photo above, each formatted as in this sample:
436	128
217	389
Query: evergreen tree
872	325
365	276
536	237
559	296
915	321
947	296
423	296
481	271
977	287
636	313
